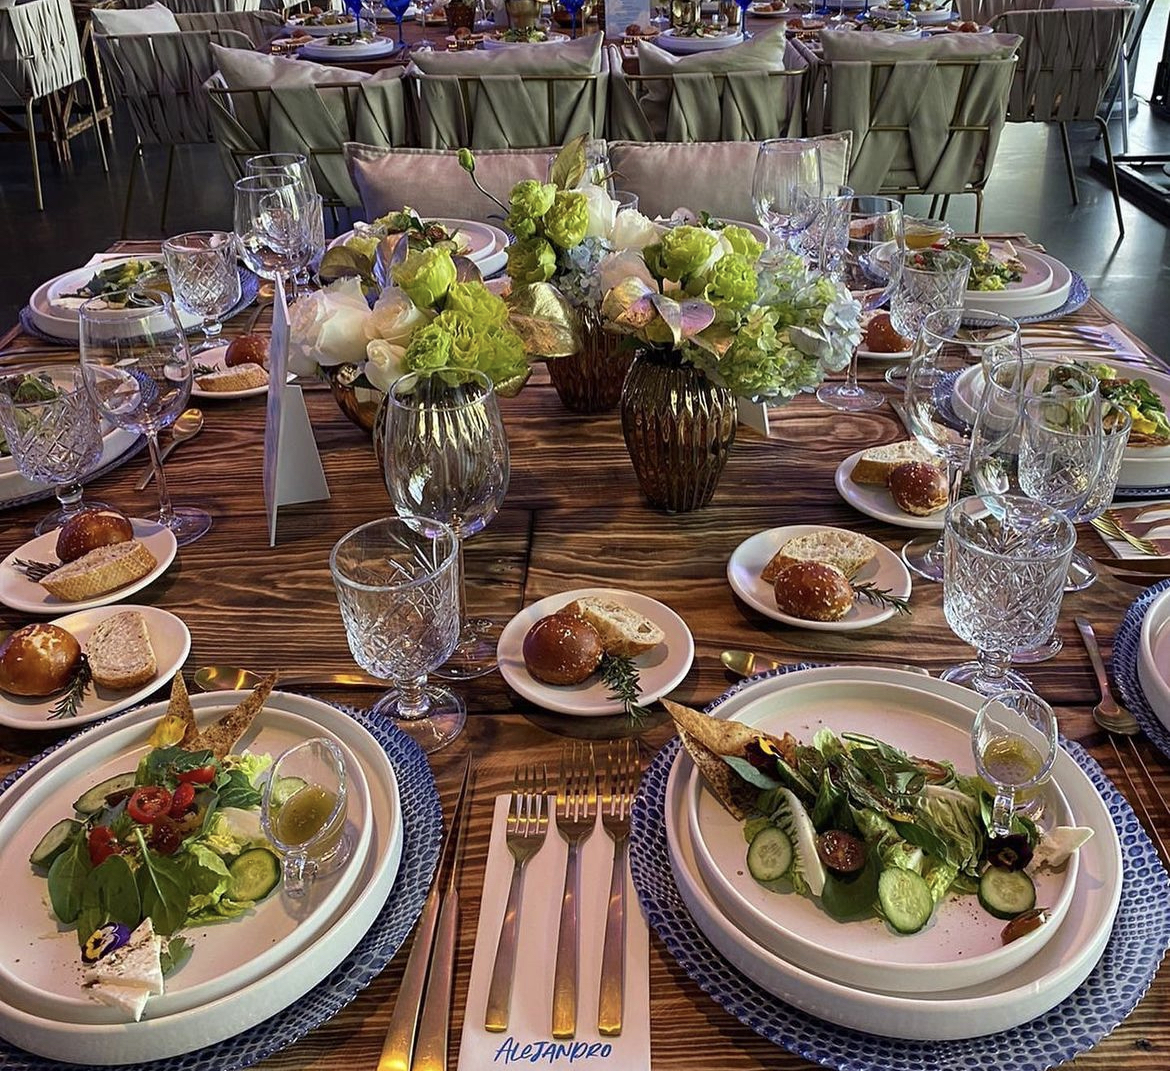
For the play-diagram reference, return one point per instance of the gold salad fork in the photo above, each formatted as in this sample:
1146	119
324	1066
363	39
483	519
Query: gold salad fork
576	816
526	828
1109	526
621	779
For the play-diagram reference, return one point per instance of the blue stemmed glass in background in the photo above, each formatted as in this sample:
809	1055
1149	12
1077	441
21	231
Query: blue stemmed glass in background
573	7
355	8
743	12
397	8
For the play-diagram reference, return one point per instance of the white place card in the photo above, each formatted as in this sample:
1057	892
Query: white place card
292	465
753	414
622	13
528	1040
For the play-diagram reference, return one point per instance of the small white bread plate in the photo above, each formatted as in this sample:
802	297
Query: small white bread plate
961	945
217	359
169	637
1154	657
17	591
1037	986
769	12
747	561
660	670
242	971
683	45
1008	302
875	501
322	50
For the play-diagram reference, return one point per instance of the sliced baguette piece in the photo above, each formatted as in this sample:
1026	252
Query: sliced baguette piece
848	551
102	570
875	466
239	377
624	632
120	654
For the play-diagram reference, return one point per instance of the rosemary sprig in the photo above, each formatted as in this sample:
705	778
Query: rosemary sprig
625	685
66	706
204	370
882	597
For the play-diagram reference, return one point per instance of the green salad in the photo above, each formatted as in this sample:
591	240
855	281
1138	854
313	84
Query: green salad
32	387
989	271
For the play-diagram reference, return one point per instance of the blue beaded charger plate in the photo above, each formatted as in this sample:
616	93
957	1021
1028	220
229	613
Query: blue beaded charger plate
1126	645
422	822
1140	936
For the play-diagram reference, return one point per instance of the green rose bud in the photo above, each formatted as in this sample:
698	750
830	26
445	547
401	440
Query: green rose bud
567	220
685	250
531	261
426	275
466	161
429	349
732	281
743	242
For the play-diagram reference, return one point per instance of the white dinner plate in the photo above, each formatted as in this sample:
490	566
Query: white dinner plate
747	561
216	359
1154	657
322	50
768	13
484	242
169	637
383	14
683	45
1039	985
17	591
286	972
297	25
553	38
1007	302
961	946
660	670
881	355
874	500
923	18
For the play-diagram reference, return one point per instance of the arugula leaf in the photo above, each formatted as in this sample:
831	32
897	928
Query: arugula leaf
67	879
164	888
163	765
235	790
110	894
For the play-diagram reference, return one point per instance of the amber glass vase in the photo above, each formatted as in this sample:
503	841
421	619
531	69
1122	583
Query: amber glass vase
590	380
678	428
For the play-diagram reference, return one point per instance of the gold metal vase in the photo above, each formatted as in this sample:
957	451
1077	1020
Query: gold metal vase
678	427
590	380
358	403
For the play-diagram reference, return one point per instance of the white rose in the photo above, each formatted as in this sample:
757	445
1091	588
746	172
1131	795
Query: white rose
602	212
383	362
328	327
632	230
389	328
616	267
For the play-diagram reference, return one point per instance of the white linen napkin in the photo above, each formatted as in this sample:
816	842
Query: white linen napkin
529	1040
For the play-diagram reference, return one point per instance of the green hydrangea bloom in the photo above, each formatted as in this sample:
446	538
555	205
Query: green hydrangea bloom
426	275
684	250
732	282
567	220
531	260
478	303
429	349
743	242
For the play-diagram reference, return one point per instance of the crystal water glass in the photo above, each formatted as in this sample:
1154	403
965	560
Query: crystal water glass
1005	558
786	189
201	266
56	441
137	369
446	456
272	224
397	582
928	279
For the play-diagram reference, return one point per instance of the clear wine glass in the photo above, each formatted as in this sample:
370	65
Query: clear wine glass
861	246
55	441
201	266
1005	560
928	279
397	582
137	369
296	166
272	225
811	240
786	189
943	357
446	456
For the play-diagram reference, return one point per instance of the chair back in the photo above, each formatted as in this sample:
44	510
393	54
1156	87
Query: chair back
39	49
260	27
191	7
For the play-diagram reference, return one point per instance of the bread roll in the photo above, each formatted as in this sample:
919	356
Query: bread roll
562	649
875	465
624	632
38	660
90	529
848	551
815	591
247	349
880	336
238	377
102	570
120	654
918	487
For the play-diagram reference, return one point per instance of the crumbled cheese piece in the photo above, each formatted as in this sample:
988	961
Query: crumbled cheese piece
128	975
129	998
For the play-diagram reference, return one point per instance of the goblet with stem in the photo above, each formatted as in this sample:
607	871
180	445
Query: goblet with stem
811	240
397	582
928	279
137	369
786	189
943	357
272	224
861	246
201	266
397	8
446	456
743	6
56	441
1005	560
296	166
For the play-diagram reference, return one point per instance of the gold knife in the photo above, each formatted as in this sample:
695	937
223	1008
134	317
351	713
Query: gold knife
399	1043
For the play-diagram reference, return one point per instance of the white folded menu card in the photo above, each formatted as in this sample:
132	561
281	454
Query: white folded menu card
528	1040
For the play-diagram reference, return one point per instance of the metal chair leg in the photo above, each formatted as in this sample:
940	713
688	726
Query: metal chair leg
32	144
946	206
1112	172
1068	163
933	206
1123	77
97	126
135	163
978	210
162	223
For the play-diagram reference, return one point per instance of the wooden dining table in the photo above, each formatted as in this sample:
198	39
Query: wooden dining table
573	517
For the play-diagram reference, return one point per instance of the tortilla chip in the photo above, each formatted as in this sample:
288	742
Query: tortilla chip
178	723
221	737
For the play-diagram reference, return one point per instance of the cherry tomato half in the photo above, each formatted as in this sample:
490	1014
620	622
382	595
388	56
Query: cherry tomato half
201	775
841	852
182	800
165	837
101	843
148	803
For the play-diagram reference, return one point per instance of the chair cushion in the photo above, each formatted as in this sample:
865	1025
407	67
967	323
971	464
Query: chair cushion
243	69
582	56
882	47
155	18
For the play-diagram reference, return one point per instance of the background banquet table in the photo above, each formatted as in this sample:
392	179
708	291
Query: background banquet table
573	517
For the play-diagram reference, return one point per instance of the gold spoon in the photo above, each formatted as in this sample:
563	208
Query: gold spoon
189	424
749	663
234	678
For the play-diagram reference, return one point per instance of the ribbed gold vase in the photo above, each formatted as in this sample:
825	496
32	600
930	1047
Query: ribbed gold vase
678	428
590	380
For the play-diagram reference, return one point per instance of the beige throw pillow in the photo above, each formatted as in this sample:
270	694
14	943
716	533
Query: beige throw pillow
155	18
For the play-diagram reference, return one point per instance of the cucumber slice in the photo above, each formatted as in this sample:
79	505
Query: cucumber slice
905	899
53	843
253	875
94	799
285	788
1006	893
770	854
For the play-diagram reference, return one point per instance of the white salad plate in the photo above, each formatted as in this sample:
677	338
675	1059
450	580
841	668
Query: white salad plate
924	18
260	977
747	561
681	46
323	50
300	26
770	13
1153	663
874	500
381	13
660	670
17	591
1040	984
553	38
169	637
1030	302
961	946
217	359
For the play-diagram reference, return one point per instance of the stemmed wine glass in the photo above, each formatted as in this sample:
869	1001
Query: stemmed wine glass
397	582
201	266
272	225
743	6
137	369
355	8
928	279
56	441
397	8
573	7
786	189
446	456
861	246
296	166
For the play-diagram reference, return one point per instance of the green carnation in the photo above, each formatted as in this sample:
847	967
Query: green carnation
502	357
531	261
567	221
531	199
461	331
429	349
426	275
478	303
732	281
743	242
684	250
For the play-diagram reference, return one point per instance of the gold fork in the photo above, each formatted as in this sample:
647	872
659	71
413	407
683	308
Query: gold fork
1138	529
621	775
576	817
526	829
1154	547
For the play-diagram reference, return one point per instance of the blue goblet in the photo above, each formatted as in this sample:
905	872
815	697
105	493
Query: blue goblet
573	7
355	8
397	8
743	13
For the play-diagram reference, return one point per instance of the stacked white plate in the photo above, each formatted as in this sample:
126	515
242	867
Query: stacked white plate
681	45
552	38
1154	657
1043	288
954	979
323	50
241	971
302	26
